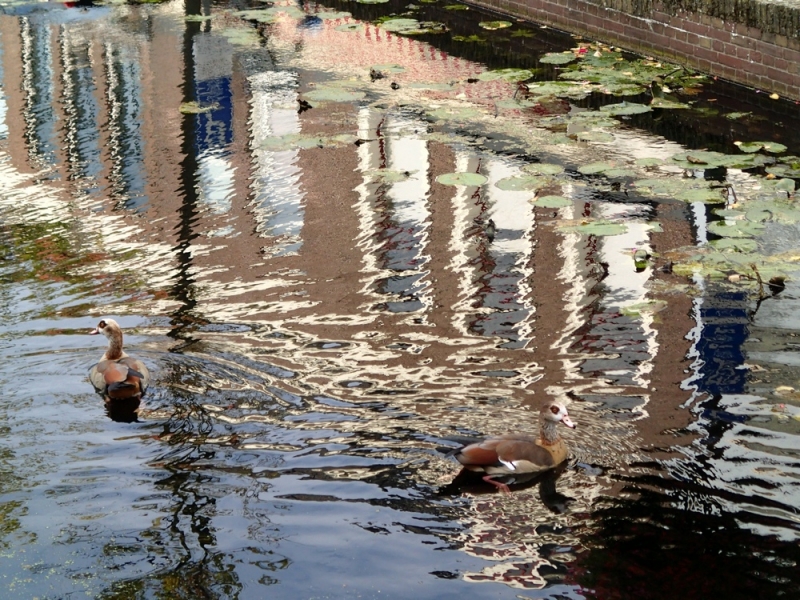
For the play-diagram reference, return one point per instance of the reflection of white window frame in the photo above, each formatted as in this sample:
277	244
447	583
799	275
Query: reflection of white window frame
278	201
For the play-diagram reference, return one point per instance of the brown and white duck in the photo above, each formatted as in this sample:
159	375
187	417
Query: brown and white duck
117	376
515	454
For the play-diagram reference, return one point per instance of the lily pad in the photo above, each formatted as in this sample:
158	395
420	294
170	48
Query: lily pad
522	183
389	68
668	104
595	168
558	58
350	27
493	25
708	196
333	14
735	229
750	147
511	75
543	169
552	202
476	39
597	228
467	179
601	137
735	245
648	162
333	94
260	16
625	108
703	159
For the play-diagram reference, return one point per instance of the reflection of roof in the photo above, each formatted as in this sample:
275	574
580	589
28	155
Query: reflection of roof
371	45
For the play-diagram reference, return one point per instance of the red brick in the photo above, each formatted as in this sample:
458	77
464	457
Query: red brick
695	27
718	45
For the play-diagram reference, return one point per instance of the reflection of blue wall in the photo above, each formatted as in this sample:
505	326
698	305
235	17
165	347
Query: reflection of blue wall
725	320
214	129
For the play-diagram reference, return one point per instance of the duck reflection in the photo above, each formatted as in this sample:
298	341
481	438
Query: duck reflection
470	482
125	410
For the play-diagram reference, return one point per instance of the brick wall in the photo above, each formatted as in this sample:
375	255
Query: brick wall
758	48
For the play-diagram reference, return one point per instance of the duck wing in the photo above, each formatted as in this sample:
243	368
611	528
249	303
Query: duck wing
123	378
506	454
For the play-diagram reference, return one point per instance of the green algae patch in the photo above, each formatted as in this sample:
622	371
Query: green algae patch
466	179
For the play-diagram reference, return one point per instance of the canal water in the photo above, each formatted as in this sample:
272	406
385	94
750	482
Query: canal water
345	237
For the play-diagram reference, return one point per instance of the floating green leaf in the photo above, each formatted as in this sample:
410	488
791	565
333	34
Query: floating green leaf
749	147
522	183
333	94
492	25
261	16
601	137
735	229
349	27
469	38
512	75
598	228
389	68
332	15
552	202
708	196
558	58
625	108
595	168
668	104
467	179
543	169
648	162
734	245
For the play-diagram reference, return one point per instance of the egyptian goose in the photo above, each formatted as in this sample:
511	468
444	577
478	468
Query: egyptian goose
117	376
515	454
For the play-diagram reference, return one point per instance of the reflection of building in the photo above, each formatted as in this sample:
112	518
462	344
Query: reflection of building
456	292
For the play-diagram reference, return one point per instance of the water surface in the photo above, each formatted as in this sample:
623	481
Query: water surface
323	317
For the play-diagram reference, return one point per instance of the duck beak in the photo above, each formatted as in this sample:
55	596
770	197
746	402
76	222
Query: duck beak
94	332
568	422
